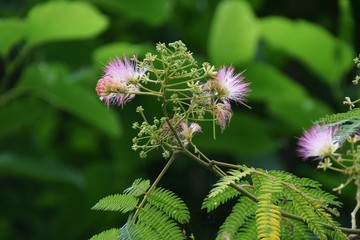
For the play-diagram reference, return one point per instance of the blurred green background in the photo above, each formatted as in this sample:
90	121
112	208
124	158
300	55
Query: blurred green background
61	149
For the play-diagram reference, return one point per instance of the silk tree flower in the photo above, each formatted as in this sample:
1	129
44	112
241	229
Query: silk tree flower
318	142
187	131
223	114
229	86
120	81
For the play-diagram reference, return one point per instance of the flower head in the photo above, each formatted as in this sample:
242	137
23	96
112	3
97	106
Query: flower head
120	81
318	142
223	114
228	86
187	131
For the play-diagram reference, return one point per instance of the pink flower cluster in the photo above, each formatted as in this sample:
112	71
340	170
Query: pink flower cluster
226	87
119	82
318	142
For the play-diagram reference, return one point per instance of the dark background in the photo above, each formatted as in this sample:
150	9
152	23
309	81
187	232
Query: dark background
61	149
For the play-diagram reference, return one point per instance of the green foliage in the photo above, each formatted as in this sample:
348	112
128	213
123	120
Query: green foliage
47	22
293	105
53	84
333	56
157	216
161	223
233	177
211	203
277	194
172	205
234	33
61	150
12	31
296	230
111	234
118	202
268	214
241	214
138	188
348	123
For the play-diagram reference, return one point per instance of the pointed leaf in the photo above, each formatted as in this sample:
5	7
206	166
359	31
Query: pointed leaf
312	45
62	20
285	98
53	84
234	33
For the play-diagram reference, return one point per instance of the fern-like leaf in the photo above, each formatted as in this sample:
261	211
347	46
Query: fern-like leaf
118	202
138	188
164	226
295	230
172	205
232	177
211	203
311	212
248	232
111	234
267	213
132	231
349	123
241	212
353	114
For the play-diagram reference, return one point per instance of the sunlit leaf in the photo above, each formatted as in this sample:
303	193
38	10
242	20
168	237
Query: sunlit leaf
61	20
285	98
32	168
52	83
11	32
234	33
311	44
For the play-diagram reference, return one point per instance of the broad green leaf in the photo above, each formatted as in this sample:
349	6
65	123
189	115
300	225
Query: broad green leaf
312	45
246	135
285	98
61	20
52	83
103	54
154	12
234	33
30	167
11	32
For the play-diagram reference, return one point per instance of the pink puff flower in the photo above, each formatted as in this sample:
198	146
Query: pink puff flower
223	114
187	131
230	86
318	142
120	81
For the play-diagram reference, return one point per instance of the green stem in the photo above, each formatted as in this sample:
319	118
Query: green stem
155	183
357	207
155	94
337	162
